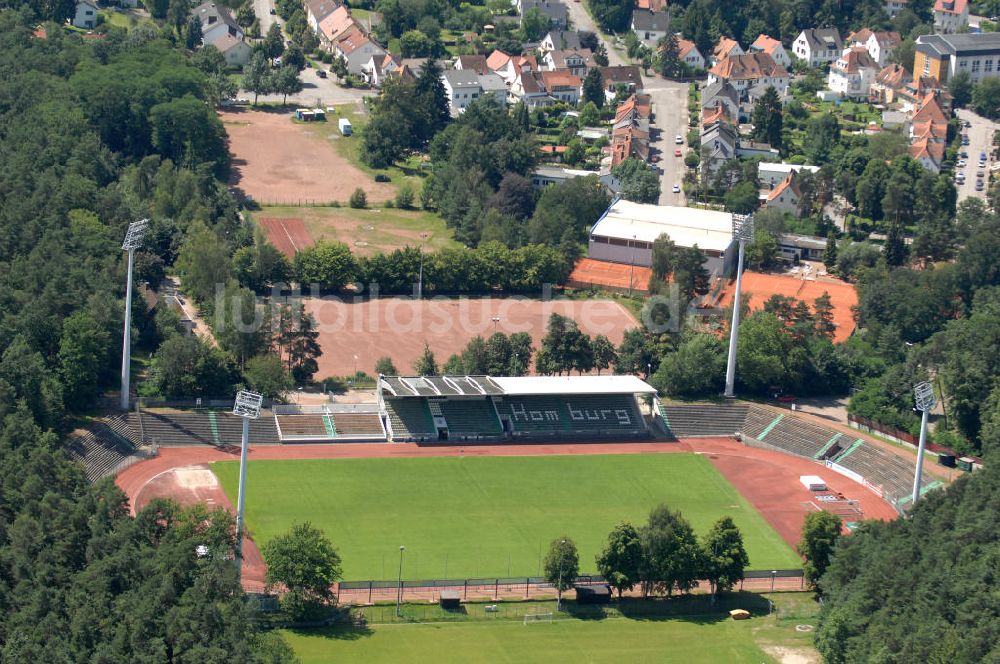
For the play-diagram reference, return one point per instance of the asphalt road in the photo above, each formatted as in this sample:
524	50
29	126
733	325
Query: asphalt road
581	20
670	117
980	139
263	10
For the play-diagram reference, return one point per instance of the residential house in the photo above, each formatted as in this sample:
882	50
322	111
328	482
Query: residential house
893	7
749	70
724	48
562	86
718	145
84	15
651	5
818	46
556	11
462	87
943	56
318	10
917	89
560	40
216	21
494	86
575	61
630	129
528	87
887	84
234	50
928	133
355	48
881	44
650	27
378	69
338	22
509	68
721	93
476	63
770	173
853	74
689	53
627	75
545	176
950	16
773	47
786	196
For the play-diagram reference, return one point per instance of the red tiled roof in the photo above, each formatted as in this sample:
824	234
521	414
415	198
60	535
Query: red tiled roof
684	47
790	182
748	66
765	44
560	79
951	6
497	60
853	60
724	46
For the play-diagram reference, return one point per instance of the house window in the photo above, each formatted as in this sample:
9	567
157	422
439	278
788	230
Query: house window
975	66
988	65
927	66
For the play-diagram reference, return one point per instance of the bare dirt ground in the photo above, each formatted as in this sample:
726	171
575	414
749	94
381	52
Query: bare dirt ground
278	161
353	335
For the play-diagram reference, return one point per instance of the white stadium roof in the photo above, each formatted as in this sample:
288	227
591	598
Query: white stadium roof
624	220
573	385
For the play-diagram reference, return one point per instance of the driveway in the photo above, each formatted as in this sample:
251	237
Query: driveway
262	8
582	20
670	116
980	140
316	91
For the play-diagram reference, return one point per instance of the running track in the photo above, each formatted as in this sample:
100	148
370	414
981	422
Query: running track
768	480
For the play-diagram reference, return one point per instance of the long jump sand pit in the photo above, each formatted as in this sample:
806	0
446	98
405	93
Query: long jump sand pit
355	334
278	161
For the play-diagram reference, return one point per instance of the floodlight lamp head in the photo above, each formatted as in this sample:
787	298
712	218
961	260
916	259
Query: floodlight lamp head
134	235
247	404
743	227
923	394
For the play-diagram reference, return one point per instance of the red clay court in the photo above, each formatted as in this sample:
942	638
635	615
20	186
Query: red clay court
398	327
287	235
758	288
591	273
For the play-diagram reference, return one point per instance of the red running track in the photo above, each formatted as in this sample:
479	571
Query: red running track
768	480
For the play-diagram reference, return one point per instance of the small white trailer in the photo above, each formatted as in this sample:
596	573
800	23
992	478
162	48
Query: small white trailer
345	126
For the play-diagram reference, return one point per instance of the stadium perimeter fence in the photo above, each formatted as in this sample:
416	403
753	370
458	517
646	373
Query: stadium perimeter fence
513	588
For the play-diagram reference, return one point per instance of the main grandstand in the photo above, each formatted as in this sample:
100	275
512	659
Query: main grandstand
438	408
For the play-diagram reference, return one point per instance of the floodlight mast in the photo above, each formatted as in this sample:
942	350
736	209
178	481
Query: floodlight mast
923	395
743	229
133	239
247	406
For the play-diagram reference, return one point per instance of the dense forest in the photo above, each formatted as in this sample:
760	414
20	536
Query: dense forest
94	136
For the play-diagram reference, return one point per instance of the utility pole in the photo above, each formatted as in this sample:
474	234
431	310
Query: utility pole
133	239
743	232
247	406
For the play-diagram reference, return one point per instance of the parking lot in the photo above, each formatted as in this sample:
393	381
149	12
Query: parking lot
980	140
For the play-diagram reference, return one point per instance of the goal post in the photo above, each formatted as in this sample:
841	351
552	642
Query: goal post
537	617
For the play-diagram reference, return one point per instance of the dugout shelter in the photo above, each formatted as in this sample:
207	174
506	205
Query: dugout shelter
469	408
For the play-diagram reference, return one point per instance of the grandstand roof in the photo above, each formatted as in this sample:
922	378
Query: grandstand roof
573	385
709	229
478	386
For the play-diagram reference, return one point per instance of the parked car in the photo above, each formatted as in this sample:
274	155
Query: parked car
979	185
273	12
321	73
382	177
960	163
678	139
677	152
676	189
963	154
982	156
967	124
980	174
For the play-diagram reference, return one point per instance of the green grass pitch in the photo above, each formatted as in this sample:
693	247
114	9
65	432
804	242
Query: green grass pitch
467	517
578	641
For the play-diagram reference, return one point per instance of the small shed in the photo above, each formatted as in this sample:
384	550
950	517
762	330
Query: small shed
593	594
449	599
812	482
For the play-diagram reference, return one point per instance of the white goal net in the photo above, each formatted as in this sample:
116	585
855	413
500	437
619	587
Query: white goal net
537	617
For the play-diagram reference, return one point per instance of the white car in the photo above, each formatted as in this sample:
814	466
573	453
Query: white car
678	139
961	163
676	189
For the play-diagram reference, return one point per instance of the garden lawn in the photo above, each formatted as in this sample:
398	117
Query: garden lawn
467	517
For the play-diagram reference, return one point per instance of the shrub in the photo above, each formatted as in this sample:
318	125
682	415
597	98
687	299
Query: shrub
359	199
404	197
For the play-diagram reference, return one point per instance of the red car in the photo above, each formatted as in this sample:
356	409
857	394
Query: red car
677	153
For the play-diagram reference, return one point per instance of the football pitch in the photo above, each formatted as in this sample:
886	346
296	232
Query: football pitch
471	517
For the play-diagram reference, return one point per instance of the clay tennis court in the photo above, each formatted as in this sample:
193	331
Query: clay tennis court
353	335
591	273
758	287
278	161
287	235
767	479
